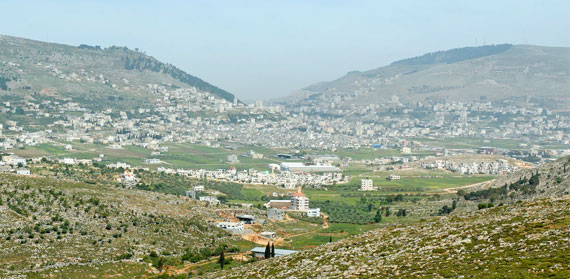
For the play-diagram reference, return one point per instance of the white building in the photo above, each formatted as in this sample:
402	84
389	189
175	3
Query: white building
119	165
406	150
232	158
14	160
68	161
268	235
190	194
300	167
314	212
23	172
128	179
367	185
210	200
275	213
299	201
152	161
238	226
255	155
394	177
198	188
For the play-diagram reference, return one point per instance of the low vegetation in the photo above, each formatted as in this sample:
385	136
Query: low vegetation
50	225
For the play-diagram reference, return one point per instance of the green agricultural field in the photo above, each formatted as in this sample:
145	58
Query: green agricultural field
462	142
339	231
419	184
194	156
360	154
85	151
253	193
405	185
180	155
418	180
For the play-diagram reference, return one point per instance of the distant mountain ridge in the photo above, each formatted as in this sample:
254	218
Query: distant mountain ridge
29	66
493	72
141	62
454	55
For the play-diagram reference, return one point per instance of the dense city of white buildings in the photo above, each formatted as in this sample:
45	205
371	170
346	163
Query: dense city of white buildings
285	179
495	167
192	116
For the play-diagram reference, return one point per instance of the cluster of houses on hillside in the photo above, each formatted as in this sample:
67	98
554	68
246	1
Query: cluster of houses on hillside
14	164
496	167
286	179
296	123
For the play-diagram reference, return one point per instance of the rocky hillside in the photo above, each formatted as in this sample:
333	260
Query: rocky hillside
37	68
522	240
47	225
492	72
550	180
523	230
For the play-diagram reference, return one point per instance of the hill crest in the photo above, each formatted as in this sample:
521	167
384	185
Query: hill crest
28	66
494	73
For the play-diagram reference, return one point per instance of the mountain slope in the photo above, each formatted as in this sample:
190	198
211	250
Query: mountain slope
34	67
550	180
49	224
520	240
493	72
528	238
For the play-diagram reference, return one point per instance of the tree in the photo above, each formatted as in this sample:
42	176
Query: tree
534	179
330	237
378	217
461	193
454	205
160	264
273	250
267	251
399	197
401	212
388	211
222	259
445	210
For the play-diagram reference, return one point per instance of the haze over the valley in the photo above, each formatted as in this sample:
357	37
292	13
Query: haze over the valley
284	139
261	50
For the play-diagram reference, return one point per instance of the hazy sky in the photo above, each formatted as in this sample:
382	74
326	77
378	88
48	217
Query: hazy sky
264	49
